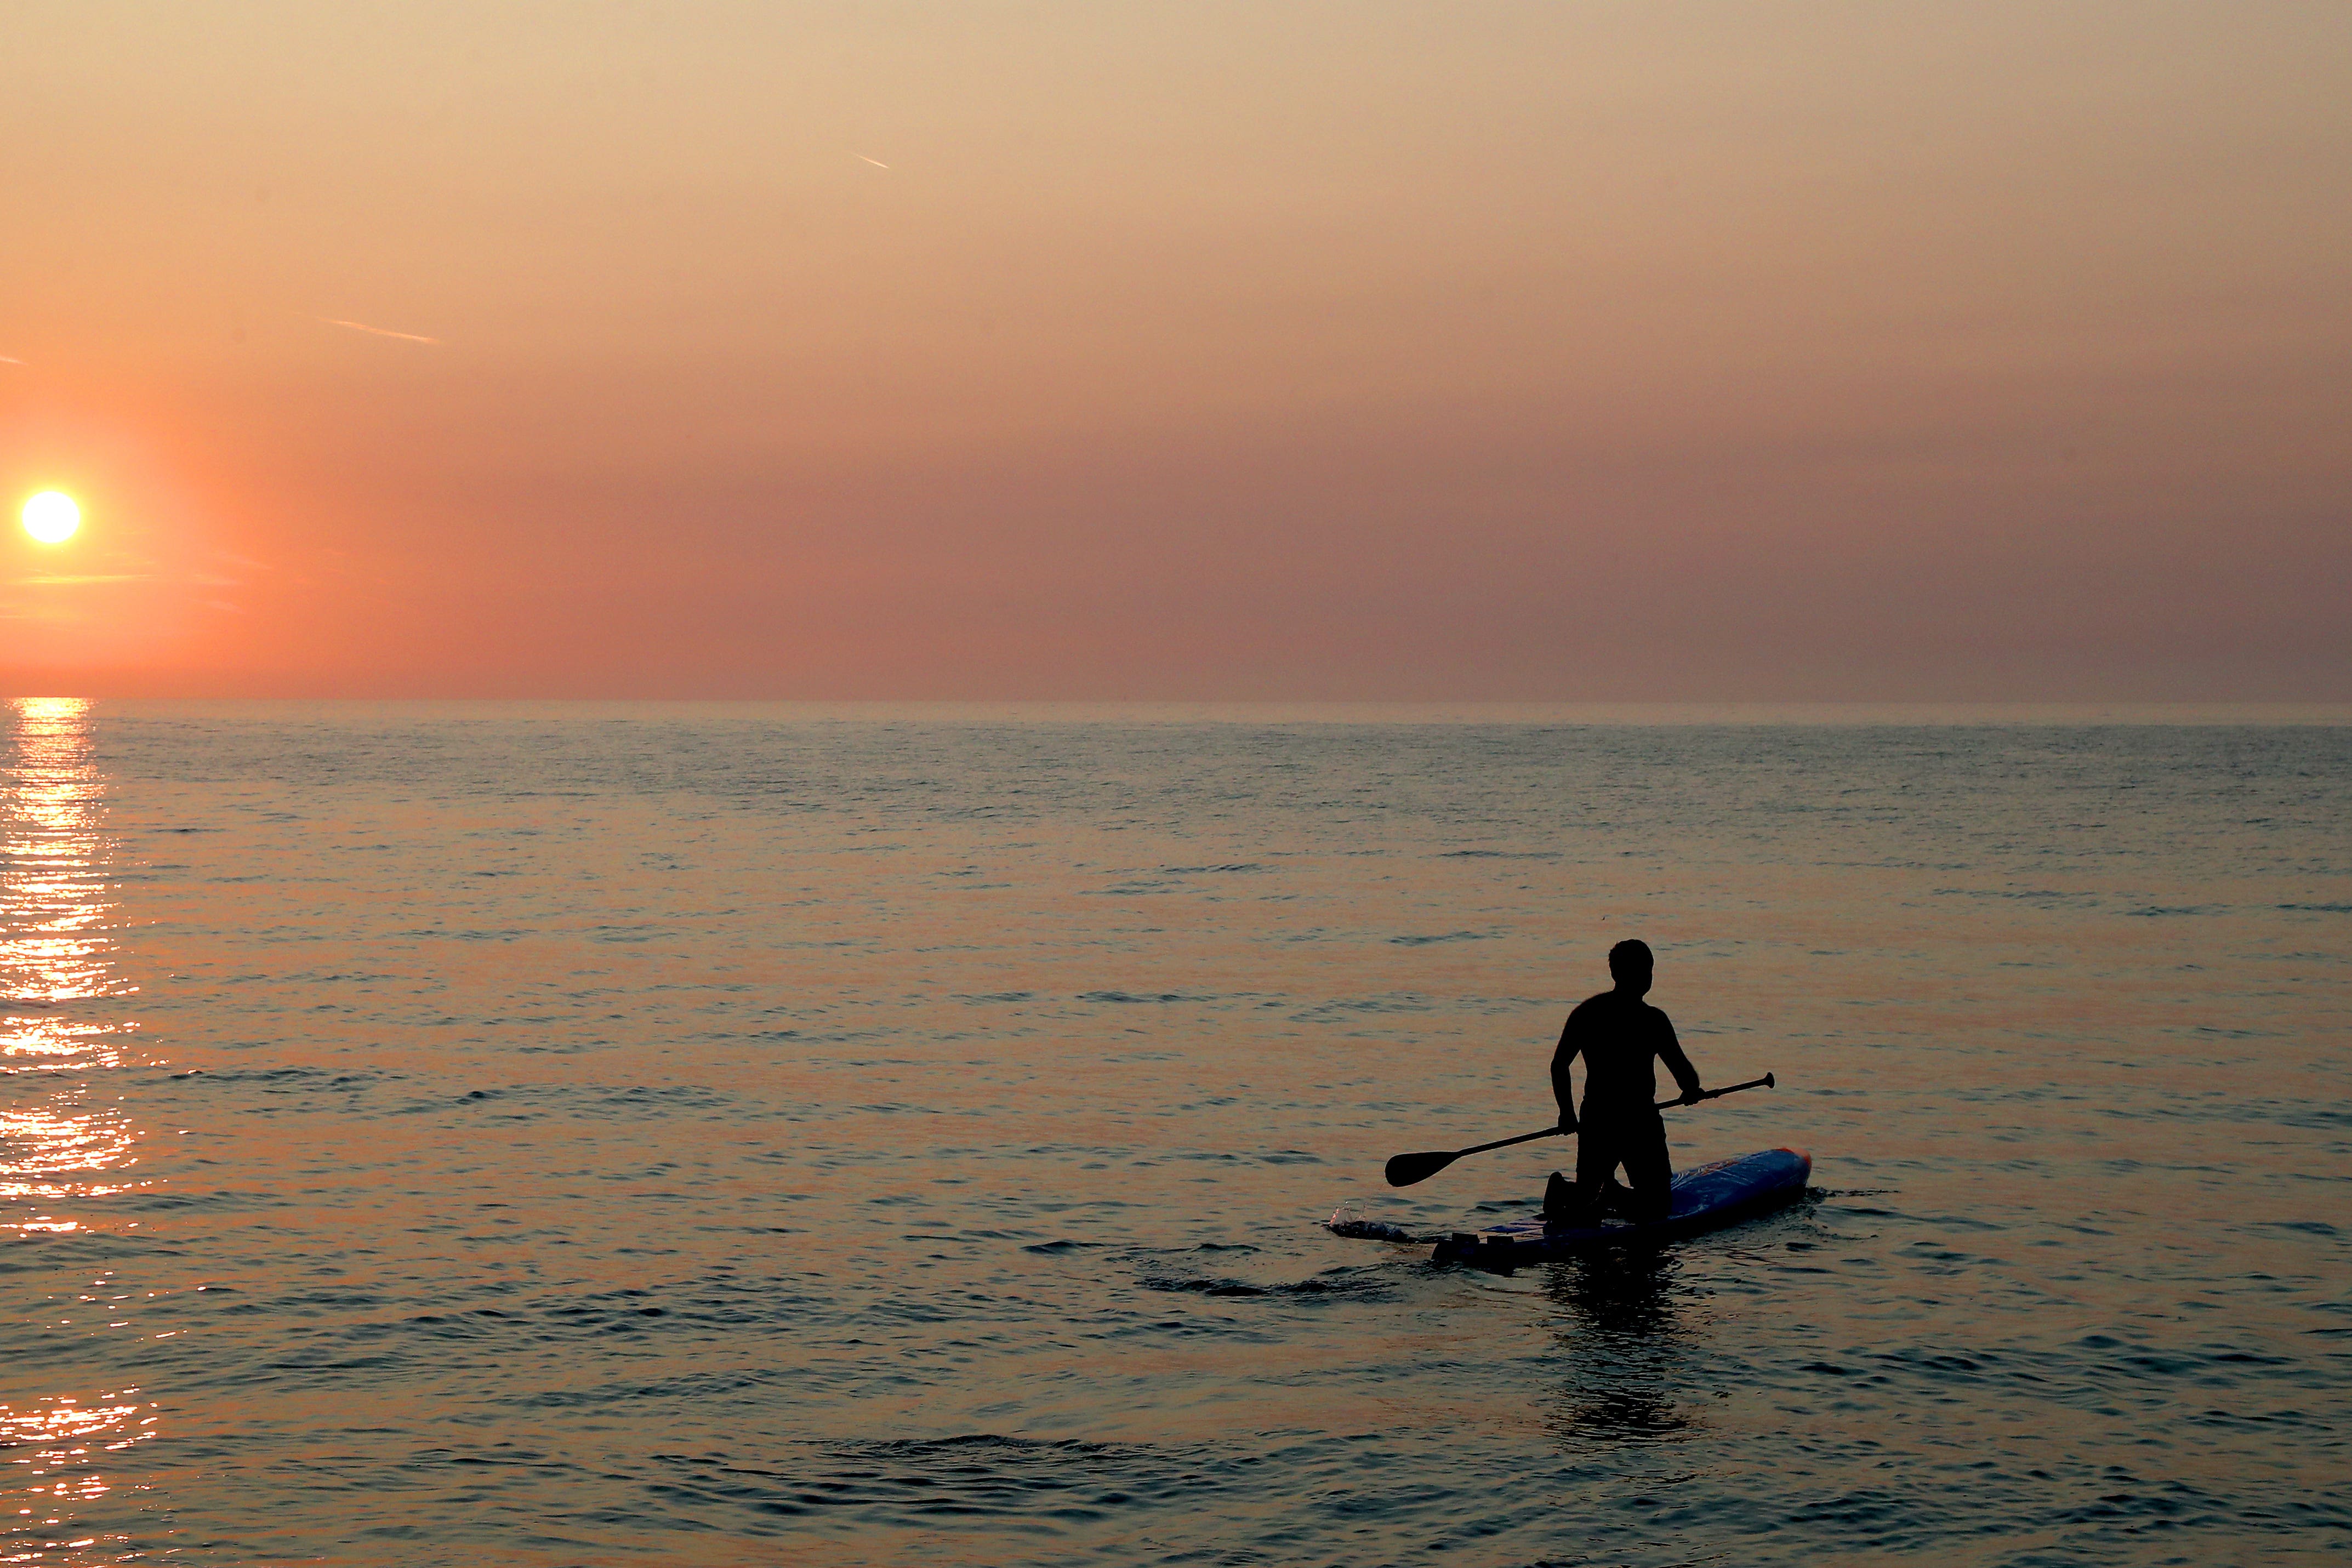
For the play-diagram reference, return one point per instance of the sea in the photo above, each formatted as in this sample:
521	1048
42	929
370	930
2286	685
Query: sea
739	1135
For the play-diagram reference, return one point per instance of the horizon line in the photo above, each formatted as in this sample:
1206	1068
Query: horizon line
1311	710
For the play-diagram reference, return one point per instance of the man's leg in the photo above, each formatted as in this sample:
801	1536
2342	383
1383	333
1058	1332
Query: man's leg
1596	1157
1649	1172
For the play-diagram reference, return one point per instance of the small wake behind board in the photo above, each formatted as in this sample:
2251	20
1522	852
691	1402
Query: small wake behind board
1705	1198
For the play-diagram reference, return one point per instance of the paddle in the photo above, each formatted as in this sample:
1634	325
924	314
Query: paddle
1406	1169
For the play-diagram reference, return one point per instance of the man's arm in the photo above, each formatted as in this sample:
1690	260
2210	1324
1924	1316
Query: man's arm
1562	1089
1671	1052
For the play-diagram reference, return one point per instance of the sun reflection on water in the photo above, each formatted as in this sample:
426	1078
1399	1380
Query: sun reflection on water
52	1451
61	1138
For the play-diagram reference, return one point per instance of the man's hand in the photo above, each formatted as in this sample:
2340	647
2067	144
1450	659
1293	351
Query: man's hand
1691	1096
1567	1122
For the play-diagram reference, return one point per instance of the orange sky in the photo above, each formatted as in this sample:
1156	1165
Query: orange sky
1565	351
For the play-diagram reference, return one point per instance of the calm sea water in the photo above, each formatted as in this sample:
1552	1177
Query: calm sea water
576	1135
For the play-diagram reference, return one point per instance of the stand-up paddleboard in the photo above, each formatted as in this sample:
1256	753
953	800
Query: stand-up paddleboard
1705	1198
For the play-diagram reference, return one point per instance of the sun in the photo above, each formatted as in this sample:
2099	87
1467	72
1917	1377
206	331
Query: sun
52	517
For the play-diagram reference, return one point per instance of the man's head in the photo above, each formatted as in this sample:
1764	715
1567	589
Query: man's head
1630	963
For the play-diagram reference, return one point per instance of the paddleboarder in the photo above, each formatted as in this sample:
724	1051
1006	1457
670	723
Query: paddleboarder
1621	1037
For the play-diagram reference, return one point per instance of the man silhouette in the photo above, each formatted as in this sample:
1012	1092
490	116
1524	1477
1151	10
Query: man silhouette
1619	1036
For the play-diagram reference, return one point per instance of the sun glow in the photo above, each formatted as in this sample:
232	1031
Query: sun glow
52	517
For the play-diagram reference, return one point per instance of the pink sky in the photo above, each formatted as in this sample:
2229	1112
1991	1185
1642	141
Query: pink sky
1580	353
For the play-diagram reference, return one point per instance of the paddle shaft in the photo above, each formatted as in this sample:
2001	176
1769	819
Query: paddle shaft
1405	1170
1506	1142
1763	1083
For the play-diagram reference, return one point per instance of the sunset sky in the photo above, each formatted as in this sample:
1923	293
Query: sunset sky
1550	351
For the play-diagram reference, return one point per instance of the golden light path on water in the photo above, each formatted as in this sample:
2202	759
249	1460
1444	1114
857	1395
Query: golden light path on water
55	953
63	1138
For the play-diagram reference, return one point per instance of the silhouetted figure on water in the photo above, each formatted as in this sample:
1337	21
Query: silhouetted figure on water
1619	1036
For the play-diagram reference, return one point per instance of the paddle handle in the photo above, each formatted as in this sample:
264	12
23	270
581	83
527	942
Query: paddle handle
1763	1083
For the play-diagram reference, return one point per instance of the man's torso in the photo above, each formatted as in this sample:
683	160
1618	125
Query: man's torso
1621	1038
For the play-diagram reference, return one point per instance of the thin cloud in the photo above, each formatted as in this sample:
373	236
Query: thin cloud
10	360
876	162
379	331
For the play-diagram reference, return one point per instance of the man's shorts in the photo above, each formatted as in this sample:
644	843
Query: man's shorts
1636	1143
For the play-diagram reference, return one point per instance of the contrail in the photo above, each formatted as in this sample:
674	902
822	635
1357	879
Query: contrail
10	360
876	162
379	331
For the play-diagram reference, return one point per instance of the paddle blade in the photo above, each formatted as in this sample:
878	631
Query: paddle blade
1406	1169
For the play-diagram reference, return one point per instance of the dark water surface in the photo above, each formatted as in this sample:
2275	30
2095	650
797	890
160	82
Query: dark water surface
729	1137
